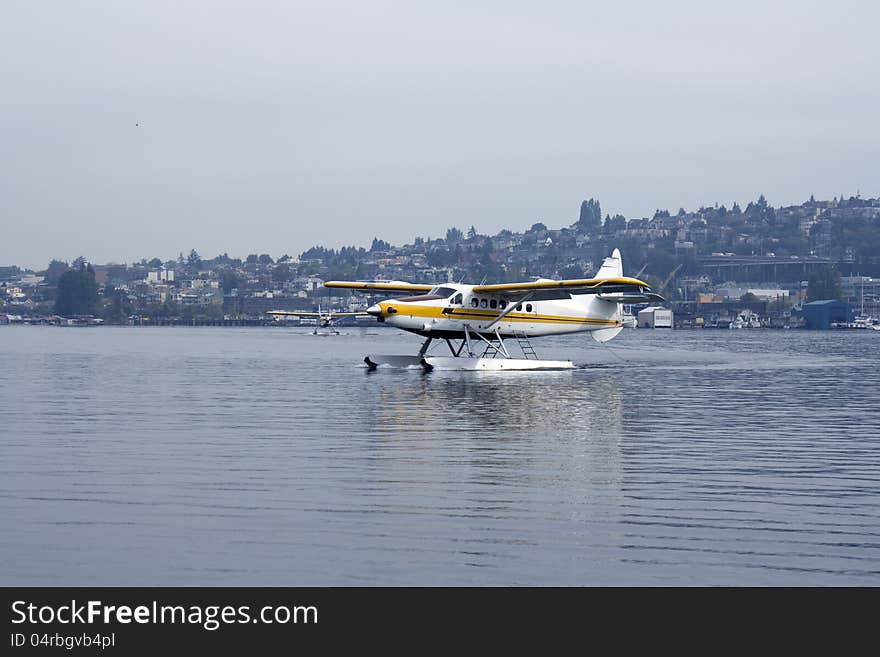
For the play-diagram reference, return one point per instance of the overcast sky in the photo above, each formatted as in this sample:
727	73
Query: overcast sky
142	129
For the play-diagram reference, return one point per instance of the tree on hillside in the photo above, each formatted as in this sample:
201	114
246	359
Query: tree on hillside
613	224
590	219
824	283
453	235
55	270
379	245
194	260
77	292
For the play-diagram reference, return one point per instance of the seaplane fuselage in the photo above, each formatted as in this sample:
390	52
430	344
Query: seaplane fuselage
445	311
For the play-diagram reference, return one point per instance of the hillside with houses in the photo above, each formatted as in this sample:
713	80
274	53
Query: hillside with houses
758	256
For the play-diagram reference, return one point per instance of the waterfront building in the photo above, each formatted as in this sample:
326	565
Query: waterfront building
655	317
819	315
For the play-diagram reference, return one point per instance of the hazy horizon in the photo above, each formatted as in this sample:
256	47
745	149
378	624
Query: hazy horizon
141	131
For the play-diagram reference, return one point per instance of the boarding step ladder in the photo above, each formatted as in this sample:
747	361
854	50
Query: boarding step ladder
526	345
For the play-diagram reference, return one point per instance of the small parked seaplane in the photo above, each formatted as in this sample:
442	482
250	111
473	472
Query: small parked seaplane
323	320
480	317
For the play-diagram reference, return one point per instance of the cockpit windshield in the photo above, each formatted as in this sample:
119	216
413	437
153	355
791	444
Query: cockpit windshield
444	292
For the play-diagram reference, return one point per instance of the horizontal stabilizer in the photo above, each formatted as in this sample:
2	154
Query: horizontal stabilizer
606	334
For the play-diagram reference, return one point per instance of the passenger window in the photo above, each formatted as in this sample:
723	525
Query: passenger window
519	307
483	303
474	302
457	298
528	307
493	303
502	304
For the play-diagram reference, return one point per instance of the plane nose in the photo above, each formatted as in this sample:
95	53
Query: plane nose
374	310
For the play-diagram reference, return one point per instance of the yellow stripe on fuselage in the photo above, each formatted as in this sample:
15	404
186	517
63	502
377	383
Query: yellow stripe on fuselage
436	312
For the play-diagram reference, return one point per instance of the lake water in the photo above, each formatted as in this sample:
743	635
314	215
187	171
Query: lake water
221	456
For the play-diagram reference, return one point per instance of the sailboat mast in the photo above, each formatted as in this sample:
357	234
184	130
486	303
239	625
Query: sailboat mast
863	294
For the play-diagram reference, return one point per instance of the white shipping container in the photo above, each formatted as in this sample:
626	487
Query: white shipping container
663	318
655	317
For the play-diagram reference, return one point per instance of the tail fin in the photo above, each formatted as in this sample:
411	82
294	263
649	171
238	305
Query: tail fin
612	267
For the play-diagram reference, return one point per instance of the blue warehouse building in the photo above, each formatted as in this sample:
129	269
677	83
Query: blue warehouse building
819	315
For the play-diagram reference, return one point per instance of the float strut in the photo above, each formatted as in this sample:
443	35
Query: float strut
467	339
425	346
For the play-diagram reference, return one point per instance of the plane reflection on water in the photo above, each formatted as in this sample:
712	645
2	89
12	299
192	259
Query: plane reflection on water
560	430
584	402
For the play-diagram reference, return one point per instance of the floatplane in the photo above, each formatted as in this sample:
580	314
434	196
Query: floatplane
324	321
475	320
